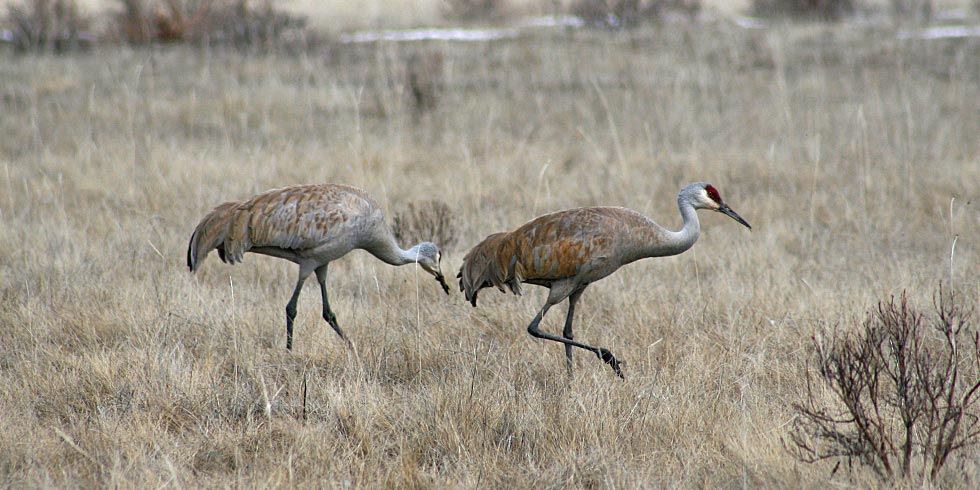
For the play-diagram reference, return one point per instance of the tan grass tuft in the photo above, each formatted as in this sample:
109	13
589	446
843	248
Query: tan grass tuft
430	220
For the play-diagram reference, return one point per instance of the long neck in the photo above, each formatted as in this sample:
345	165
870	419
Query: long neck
663	242
389	252
685	238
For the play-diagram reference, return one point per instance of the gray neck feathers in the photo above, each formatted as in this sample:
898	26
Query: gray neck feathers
685	238
660	242
390	253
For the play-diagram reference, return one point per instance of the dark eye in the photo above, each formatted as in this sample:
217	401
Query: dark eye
713	193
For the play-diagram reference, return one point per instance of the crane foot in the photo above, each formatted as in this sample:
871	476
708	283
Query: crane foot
608	358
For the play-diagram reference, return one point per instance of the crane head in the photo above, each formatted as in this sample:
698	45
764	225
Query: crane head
705	196
429	258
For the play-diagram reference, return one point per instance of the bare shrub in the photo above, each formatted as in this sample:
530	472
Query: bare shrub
426	221
424	79
821	9
141	21
630	13
904	390
53	26
240	23
471	9
913	10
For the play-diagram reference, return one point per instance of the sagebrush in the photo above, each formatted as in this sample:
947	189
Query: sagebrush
53	26
904	390
238	23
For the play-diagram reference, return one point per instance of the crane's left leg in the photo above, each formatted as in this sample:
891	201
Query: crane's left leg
321	277
567	332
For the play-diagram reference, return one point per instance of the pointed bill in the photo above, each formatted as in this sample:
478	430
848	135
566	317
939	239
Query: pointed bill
442	282
732	214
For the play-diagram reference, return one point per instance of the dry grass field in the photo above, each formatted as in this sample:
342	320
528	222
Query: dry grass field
854	155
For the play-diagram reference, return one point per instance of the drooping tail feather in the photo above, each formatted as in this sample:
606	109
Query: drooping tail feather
489	263
226	229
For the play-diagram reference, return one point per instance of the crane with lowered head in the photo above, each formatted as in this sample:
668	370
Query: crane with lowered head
310	225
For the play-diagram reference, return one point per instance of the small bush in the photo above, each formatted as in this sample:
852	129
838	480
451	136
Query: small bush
469	10
426	221
914	10
52	26
239	23
821	9
903	391
630	13
424	79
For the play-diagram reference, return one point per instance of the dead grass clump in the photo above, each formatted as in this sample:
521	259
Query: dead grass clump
238	23
217	459
76	398
53	26
427	221
905	390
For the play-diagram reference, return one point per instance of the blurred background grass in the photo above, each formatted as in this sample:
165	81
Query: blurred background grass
853	152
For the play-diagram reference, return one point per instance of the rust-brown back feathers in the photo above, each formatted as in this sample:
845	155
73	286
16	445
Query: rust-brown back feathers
561	245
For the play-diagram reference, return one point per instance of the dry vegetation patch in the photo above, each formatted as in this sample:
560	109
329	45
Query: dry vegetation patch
904	390
852	154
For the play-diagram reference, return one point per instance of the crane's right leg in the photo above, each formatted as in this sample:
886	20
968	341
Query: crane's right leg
321	277
304	272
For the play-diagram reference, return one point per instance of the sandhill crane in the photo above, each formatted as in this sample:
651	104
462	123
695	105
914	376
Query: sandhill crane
310	225
567	250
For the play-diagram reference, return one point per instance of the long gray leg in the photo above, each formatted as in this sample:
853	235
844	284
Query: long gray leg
601	352
321	277
567	332
291	306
